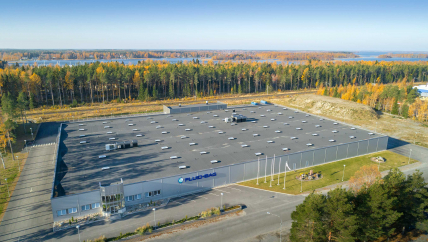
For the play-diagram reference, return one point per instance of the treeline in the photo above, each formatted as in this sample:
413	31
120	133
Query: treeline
409	55
388	206
290	56
151	80
15	55
398	99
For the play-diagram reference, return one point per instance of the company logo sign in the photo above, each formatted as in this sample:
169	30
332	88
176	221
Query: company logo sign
188	179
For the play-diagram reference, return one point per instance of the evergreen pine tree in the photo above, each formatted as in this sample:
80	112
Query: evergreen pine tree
171	90
395	107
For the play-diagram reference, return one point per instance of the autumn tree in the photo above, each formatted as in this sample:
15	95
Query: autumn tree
366	175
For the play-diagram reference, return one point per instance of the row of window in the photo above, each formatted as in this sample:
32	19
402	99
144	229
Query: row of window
138	196
74	210
66	211
90	206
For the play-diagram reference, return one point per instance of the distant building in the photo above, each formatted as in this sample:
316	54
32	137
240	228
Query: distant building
422	90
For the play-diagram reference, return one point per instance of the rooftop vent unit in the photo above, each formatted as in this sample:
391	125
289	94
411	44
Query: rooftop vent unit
134	129
82	135
232	124
268	110
285	149
104	122
270	141
286	124
211	127
334	131
106	127
164	132
214	161
139	135
153	122
371	133
111	147
195	118
244	109
131	124
309	144
272	119
134	143
352	128
174	119
254	103
203	122
215	115
81	125
265	126
123	145
263	102
277	131
188	129
208	112
192	144
307	115
203	152
252	111
253	121
299	128
164	147
290	117
303	121
169	116
102	156
226	110
109	132
149	118
279	113
221	132
231	138
244	129
332	140
243	146
81	129
262	115
321	119
260	107
258	153
83	142
105	168
293	138
256	135
335	123
111	138
180	124
159	127
317	126
296	111
182	167
284	108
314	134
174	157
183	137
352	137
158	140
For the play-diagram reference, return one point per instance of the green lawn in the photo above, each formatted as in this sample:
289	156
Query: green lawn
332	173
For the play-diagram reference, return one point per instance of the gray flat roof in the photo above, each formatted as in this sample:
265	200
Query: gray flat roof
196	105
148	161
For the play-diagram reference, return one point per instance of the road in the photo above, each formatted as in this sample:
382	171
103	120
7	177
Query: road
28	214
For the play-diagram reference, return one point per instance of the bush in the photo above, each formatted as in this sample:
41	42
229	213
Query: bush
144	229
74	104
99	239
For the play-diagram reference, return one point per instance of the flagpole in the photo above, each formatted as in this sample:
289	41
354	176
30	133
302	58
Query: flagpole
258	170
265	169
279	170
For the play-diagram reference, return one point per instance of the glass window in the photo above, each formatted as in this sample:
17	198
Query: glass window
158	192
95	205
138	196
86	207
129	198
72	210
155	193
150	194
62	212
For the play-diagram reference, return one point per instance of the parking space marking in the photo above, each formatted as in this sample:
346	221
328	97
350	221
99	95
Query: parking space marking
177	202
188	199
201	197
213	194
221	190
235	189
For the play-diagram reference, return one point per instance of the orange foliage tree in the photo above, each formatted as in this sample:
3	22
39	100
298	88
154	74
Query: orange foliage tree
365	175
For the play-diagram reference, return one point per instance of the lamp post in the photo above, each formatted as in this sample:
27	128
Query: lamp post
25	141
78	231
280	225
221	201
19	167
409	156
343	172
7	187
154	210
32	133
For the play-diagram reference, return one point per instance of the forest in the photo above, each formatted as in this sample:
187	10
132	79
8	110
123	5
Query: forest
406	55
151	80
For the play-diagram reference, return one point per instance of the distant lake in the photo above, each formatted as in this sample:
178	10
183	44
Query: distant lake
366	56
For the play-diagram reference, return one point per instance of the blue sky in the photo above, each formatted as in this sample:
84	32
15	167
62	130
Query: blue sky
257	25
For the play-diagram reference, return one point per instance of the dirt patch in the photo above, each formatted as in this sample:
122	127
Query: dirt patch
335	107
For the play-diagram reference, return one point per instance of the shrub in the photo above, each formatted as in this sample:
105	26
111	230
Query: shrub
144	229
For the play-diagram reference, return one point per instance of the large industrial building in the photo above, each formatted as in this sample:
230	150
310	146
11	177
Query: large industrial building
108	165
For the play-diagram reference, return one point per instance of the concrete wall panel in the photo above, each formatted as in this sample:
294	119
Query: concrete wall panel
353	149
222	177
236	173
342	151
